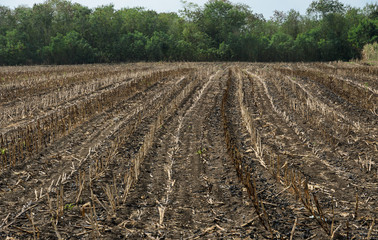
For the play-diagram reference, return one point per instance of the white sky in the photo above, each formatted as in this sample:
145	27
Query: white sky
266	7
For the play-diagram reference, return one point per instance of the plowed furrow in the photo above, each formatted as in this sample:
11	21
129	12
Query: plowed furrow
327	129
69	152
271	192
188	180
284	136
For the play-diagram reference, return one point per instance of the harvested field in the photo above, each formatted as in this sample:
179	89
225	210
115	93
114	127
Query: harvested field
189	151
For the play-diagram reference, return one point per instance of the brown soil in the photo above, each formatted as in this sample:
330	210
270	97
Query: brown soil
189	151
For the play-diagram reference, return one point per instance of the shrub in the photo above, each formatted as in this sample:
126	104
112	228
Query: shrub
370	52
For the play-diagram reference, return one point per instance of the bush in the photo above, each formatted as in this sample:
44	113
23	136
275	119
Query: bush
370	52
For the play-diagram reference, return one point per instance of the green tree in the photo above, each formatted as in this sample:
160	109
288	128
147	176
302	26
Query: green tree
371	10
41	22
133	46
332	40
6	20
335	33
292	24
185	51
219	18
138	20
306	46
364	33
12	48
325	7
280	47
104	34
23	18
158	47
69	49
192	34
58	31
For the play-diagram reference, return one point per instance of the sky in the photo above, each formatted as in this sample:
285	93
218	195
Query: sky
265	7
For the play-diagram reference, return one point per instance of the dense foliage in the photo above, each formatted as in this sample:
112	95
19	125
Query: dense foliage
61	32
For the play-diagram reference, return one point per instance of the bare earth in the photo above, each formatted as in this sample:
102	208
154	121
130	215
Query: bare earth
189	151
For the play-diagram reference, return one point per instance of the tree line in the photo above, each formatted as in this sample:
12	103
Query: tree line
61	32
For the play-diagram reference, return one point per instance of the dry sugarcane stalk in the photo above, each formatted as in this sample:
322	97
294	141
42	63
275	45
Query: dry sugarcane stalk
293	229
35	229
370	229
356	209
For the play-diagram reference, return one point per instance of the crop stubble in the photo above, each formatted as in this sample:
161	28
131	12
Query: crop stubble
191	150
